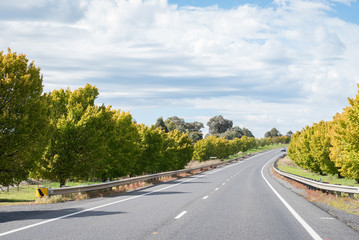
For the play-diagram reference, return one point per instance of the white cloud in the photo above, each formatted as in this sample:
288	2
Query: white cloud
289	64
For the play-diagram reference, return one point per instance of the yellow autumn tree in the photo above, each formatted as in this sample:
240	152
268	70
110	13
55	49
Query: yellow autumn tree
345	140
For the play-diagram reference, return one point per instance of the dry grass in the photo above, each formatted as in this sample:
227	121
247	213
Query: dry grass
286	161
195	163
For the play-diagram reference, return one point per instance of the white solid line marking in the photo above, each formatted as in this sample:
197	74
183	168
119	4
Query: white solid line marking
205	197
181	215
306	226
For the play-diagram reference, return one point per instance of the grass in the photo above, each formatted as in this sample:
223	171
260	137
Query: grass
286	165
26	194
68	184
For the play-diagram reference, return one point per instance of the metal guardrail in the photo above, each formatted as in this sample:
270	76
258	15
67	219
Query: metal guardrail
316	184
122	182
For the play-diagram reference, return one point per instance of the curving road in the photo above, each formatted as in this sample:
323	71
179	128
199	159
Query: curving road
238	201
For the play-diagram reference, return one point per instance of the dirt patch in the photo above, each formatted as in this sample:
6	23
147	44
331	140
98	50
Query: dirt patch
195	164
286	161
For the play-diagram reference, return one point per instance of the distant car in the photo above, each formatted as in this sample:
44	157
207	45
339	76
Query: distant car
283	150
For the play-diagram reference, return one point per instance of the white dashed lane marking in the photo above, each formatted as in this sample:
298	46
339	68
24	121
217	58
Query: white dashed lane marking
180	215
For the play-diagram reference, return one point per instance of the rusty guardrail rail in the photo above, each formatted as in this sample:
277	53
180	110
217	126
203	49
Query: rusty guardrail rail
116	183
332	188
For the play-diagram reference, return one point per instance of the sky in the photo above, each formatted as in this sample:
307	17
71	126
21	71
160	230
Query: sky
262	64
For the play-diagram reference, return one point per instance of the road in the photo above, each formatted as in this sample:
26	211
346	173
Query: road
237	201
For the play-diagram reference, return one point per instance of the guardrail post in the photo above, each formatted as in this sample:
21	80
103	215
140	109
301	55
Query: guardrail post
351	195
339	194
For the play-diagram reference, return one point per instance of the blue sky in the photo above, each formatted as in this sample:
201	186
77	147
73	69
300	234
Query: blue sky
262	64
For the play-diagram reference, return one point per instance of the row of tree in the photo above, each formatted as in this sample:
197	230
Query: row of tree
330	147
63	135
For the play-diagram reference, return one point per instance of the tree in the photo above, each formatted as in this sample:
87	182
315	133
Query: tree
175	122
320	147
78	147
161	124
152	142
289	134
218	124
272	133
234	132
24	117
193	126
124	147
193	129
345	140
247	133
180	146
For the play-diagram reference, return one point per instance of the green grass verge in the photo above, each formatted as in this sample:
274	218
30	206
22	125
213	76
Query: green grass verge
26	194
68	184
294	169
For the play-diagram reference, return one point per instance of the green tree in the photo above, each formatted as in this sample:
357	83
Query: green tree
272	133
24	117
161	124
124	146
218	125
152	141
213	146
178	150
247	132
289	134
193	129
175	122
234	132
78	147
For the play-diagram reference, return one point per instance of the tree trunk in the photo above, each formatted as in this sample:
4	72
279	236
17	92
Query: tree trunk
62	183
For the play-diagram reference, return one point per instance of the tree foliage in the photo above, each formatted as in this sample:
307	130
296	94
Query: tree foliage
219	147
193	129
272	133
81	133
218	125
64	135
345	140
24	117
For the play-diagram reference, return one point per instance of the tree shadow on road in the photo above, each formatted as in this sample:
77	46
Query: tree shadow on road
50	214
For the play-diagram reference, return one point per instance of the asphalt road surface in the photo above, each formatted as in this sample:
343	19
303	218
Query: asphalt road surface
237	201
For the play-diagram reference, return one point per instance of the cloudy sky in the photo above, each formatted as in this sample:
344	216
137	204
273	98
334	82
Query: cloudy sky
260	63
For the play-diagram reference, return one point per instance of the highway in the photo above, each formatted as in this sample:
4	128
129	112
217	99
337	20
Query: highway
237	201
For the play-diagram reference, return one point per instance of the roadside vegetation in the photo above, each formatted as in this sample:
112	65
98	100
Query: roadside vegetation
25	194
332	147
62	138
350	205
287	165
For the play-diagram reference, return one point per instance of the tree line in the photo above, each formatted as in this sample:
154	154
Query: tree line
330	147
64	135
